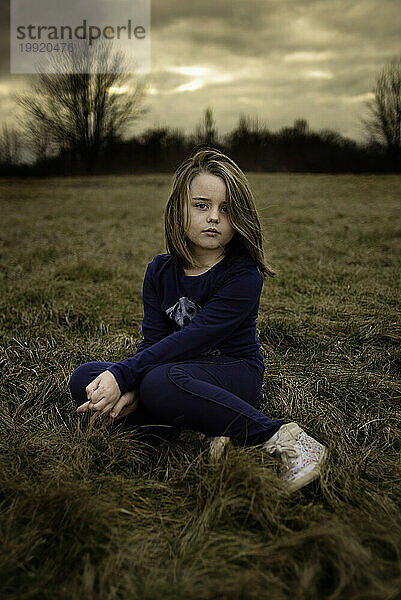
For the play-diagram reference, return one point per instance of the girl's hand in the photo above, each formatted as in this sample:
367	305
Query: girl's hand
126	405
103	393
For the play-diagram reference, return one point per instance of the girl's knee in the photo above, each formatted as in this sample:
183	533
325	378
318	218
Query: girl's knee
78	372
79	379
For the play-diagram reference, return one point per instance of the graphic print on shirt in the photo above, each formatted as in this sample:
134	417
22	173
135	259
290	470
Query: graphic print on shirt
182	312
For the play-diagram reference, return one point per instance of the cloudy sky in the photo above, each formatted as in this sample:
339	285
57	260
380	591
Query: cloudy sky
276	60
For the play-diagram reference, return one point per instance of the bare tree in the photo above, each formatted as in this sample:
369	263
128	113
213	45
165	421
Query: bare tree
249	126
10	146
383	123
247	141
206	132
85	105
301	126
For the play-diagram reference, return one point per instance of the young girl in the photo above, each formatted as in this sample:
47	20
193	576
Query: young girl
199	364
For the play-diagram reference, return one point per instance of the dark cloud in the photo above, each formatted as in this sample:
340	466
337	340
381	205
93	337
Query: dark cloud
267	25
231	13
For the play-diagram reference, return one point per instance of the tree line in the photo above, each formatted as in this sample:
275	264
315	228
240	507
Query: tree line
75	121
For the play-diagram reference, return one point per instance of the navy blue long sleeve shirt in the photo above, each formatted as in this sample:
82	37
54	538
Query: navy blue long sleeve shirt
192	316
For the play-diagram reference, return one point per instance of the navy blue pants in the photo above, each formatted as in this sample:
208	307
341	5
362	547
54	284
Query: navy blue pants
216	395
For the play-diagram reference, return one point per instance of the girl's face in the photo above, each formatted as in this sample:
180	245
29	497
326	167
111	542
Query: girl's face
208	209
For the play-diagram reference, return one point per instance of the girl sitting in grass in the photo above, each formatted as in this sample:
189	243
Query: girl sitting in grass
199	364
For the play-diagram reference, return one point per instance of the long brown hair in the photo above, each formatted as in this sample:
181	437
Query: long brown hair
248	237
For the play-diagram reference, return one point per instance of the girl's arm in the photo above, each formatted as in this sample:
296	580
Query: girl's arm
155	324
234	301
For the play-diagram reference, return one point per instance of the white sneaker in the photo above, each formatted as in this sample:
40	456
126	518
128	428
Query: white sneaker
302	455
216	446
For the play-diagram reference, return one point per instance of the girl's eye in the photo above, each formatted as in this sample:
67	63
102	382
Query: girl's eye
224	208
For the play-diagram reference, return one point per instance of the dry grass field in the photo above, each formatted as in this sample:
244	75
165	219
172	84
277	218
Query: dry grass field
100	513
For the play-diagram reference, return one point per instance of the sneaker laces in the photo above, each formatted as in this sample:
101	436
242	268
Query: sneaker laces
286	450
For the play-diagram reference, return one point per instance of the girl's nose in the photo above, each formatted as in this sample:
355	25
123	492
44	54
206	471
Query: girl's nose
214	215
